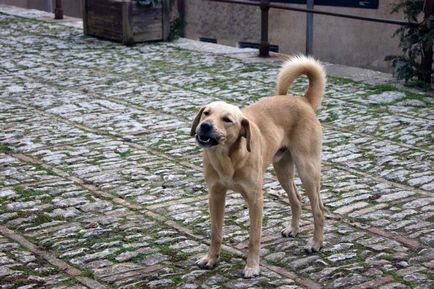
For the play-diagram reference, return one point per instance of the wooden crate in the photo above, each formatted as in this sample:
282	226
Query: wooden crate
126	21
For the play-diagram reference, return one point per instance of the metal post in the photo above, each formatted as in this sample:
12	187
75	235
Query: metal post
58	11
427	49
264	46
50	5
309	28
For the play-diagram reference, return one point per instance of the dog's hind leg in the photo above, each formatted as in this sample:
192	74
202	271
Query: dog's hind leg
309	170
284	168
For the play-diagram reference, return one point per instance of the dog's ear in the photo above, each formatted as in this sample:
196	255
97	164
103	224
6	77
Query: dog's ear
196	121
245	132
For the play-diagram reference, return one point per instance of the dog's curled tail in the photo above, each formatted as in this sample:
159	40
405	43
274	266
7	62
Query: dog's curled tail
308	66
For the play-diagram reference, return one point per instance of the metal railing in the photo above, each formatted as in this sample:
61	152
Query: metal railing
265	5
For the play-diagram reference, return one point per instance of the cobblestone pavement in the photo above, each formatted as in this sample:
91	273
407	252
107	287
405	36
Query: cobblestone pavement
101	185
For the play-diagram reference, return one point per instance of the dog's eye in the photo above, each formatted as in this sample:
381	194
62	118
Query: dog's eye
227	119
206	113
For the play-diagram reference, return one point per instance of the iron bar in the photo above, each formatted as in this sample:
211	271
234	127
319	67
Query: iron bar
50	5
58	11
309	28
264	46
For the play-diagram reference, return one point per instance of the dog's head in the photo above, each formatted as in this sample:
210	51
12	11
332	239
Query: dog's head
220	123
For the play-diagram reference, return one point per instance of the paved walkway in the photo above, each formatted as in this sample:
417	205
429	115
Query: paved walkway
101	185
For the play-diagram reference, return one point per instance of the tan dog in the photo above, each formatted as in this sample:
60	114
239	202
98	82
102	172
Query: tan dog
239	145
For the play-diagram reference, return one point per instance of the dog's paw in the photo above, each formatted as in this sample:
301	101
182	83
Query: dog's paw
250	272
288	233
312	246
206	262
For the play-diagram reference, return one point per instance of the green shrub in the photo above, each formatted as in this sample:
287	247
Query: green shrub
415	64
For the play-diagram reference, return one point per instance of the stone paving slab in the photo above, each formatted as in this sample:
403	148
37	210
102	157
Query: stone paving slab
20	268
98	173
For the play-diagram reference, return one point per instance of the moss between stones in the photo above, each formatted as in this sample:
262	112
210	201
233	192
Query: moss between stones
4	148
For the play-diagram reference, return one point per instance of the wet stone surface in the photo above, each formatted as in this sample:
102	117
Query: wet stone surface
97	170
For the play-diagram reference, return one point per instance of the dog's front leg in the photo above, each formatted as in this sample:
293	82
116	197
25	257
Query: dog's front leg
216	202
255	203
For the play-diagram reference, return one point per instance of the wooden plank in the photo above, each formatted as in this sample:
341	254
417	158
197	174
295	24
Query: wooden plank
102	10
104	19
152	28
110	20
146	12
146	23
108	28
127	35
148	36
103	4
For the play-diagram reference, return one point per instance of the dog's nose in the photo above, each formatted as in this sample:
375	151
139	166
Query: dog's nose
205	127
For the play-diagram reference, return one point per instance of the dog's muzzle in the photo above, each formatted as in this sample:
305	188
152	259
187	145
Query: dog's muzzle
206	136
